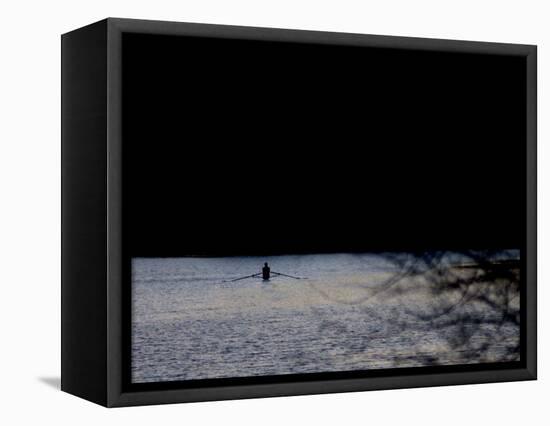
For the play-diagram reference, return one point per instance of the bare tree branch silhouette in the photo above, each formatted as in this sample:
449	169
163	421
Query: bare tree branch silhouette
469	298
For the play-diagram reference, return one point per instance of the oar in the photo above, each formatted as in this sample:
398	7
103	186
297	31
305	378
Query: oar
242	278
289	276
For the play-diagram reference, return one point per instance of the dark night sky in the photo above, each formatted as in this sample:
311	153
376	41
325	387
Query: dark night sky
243	147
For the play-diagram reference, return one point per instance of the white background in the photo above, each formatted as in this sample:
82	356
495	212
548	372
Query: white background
30	210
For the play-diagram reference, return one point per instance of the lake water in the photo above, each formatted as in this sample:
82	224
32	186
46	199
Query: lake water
189	323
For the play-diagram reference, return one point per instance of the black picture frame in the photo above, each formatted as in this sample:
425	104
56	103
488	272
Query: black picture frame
94	317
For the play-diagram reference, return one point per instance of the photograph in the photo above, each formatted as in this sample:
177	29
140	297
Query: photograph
267	212
313	211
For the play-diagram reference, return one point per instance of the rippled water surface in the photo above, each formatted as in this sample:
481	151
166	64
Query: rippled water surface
187	323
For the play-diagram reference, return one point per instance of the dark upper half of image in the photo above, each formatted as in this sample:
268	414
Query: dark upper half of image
235	147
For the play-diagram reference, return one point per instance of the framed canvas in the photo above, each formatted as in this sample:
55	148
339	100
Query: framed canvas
254	212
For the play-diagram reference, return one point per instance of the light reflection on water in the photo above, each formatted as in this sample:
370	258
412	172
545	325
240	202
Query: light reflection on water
189	324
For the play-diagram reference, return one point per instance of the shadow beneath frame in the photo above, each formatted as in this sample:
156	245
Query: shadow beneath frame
53	382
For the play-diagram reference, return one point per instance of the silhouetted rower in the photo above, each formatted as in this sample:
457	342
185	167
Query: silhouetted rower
266	271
